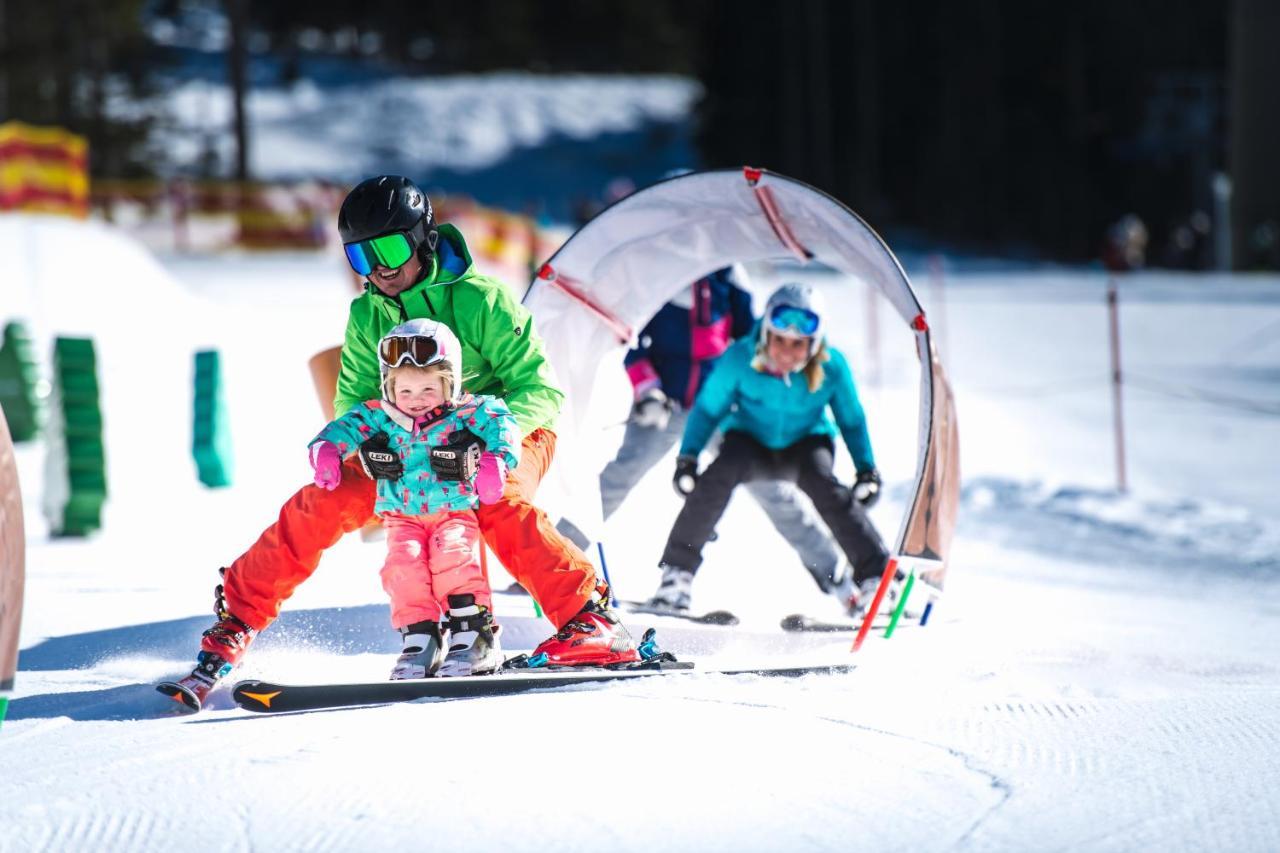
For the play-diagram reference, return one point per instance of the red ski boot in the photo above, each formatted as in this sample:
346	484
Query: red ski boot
594	637
221	648
229	639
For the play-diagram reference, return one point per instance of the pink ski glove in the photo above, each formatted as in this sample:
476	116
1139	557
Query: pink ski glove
327	462
490	474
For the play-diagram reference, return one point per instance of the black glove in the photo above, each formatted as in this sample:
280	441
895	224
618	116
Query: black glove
377	458
866	489
458	459
686	475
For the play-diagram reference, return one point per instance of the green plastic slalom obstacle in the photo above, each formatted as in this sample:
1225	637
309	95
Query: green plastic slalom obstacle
211	430
902	604
76	471
18	383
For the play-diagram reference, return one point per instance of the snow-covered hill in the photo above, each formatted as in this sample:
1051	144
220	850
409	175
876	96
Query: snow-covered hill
1100	675
525	142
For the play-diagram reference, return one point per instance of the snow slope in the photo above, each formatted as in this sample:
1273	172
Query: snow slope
1100	675
512	139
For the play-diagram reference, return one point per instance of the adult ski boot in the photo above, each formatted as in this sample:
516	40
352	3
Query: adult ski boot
675	591
221	648
594	637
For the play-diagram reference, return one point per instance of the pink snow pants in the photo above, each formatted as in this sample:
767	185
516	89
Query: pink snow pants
429	558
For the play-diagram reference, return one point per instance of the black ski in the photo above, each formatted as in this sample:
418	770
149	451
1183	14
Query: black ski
714	617
271	698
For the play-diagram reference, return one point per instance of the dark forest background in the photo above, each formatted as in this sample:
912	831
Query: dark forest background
1007	125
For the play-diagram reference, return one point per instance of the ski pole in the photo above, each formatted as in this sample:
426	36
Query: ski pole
902	603
604	567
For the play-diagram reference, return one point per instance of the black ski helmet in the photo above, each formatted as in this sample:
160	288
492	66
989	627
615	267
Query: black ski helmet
385	204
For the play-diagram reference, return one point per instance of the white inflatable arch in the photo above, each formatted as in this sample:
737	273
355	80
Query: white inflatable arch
604	284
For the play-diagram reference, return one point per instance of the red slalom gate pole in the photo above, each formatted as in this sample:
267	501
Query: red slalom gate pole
870	616
1117	380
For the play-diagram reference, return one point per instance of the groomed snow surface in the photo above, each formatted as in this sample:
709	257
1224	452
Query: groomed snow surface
1101	673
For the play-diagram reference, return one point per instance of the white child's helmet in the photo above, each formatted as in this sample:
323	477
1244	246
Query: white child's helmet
421	343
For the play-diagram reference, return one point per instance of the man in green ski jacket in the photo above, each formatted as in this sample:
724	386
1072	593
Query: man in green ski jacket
417	269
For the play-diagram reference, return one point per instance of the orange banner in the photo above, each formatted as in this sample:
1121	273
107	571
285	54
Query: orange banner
43	169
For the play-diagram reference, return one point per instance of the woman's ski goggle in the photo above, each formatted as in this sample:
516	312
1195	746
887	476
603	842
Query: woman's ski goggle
418	349
389	250
788	319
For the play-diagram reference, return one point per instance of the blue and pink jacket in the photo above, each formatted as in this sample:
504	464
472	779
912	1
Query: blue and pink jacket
419	492
679	346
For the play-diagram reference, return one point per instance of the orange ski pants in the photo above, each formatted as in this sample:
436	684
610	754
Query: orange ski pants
557	574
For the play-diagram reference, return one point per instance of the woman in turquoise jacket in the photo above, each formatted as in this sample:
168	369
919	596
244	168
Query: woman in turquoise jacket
770	394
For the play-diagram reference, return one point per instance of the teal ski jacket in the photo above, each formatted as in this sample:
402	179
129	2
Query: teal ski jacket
778	411
419	491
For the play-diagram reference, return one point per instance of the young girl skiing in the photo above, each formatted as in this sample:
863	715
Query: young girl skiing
432	571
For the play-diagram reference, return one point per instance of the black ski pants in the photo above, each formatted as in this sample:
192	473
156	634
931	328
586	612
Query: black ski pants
807	463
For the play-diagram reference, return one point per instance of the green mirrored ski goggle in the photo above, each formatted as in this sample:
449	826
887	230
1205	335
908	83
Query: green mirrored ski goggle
389	250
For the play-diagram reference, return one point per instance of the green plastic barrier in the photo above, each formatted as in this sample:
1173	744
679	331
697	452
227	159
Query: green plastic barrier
76	481
211	430
18	383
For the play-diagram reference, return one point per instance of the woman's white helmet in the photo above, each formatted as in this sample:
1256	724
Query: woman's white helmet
421	343
795	311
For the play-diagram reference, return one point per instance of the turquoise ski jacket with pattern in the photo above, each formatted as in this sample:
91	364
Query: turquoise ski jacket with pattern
419	491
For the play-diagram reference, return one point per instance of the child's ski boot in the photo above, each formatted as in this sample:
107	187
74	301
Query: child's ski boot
474	648
422	653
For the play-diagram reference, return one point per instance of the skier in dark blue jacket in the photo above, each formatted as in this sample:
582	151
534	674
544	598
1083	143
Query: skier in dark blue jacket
679	348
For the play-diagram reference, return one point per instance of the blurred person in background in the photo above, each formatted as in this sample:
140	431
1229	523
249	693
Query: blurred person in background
1190	243
418	269
770	393
678	351
1125	247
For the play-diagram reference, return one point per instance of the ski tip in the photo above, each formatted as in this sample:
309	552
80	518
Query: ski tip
794	622
179	694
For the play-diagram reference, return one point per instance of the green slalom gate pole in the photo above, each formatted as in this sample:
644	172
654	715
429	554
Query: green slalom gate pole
4	707
902	603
